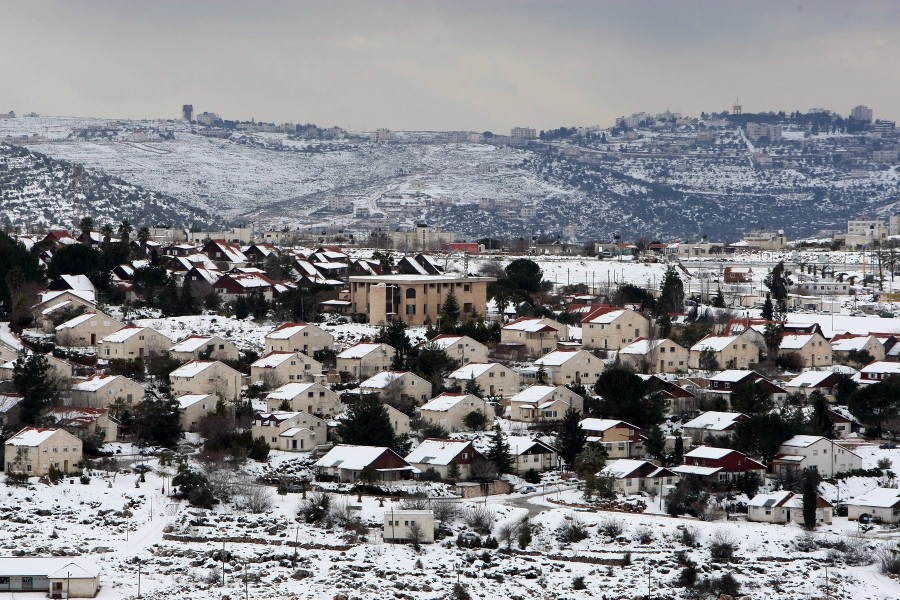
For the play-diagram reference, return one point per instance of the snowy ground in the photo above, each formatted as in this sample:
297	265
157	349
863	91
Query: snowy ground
124	529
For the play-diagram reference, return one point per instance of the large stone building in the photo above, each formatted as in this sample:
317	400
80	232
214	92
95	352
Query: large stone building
415	298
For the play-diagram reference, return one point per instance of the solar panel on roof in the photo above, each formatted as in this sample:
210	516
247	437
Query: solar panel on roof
769	502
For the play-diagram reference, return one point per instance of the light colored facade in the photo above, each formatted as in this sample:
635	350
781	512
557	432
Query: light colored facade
621	439
313	398
86	329
197	347
83	421
462	348
207	377
654	356
404	525
730	351
785	507
712	423
365	359
881	503
814	349
132	342
815	452
529	453
841	348
764	240
399	420
101	391
449	410
635	476
344	463
397	384
34	450
608	328
538	336
422	237
277	368
299	337
290	431
543	403
578	367
193	407
439	454
493	378
59	577
415	298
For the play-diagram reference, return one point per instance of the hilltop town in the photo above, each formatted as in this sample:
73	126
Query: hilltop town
252	412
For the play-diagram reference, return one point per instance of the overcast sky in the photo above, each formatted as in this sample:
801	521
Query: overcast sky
473	65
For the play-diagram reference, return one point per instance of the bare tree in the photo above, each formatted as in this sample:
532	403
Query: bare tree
416	534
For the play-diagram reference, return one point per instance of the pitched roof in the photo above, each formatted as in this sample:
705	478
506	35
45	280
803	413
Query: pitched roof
878	498
286	330
558	357
795	341
92	384
192	343
361	350
472	370
809	379
31	436
353	458
288	391
533	393
529	325
771	499
446	401
188	400
193	368
437	451
715	343
274	358
708	452
715	421
603	424
74	322
384	378
623	467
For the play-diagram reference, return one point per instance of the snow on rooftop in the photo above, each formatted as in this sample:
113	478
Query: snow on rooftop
731	375
192	343
445	402
606	317
878	498
31	437
533	393
273	359
695	470
520	443
286	331
361	350
471	370
529	325
857	343
437	451
795	341
715	343
708	452
383	379
191	369
557	358
189	400
288	391
771	499
354	458
600	424
881	366
809	379
622	467
93	384
713	420
75	321
52	567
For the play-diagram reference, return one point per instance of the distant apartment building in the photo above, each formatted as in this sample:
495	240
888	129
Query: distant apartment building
883	127
235	235
764	240
340	204
865	232
423	237
757	131
9	115
415	298
209	119
861	113
382	135
522	133
187	112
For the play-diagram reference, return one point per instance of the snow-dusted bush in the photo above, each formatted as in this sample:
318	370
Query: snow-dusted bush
722	546
479	518
643	535
612	528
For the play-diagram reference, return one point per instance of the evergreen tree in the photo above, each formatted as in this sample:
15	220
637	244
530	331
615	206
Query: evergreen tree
33	380
433	364
87	228
590	461
708	361
453	472
820	422
367	424
664	326
626	396
571	439
394	335
671	298
768	311
473	388
475	420
186	300
499	453
810	497
450	313
656	443
678	454
876	403
525	275
751	399
156	421
719	299
541	376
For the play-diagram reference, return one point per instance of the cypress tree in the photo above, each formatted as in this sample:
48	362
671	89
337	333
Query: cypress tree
571	438
498	452
32	379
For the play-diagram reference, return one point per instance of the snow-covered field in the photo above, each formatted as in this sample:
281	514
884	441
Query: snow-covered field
178	549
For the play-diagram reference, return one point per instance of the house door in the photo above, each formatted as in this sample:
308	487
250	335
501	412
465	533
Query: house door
293	444
662	366
28	583
65	466
56	592
93	339
787	515
140	351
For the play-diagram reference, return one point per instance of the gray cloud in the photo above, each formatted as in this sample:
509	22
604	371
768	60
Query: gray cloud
445	65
